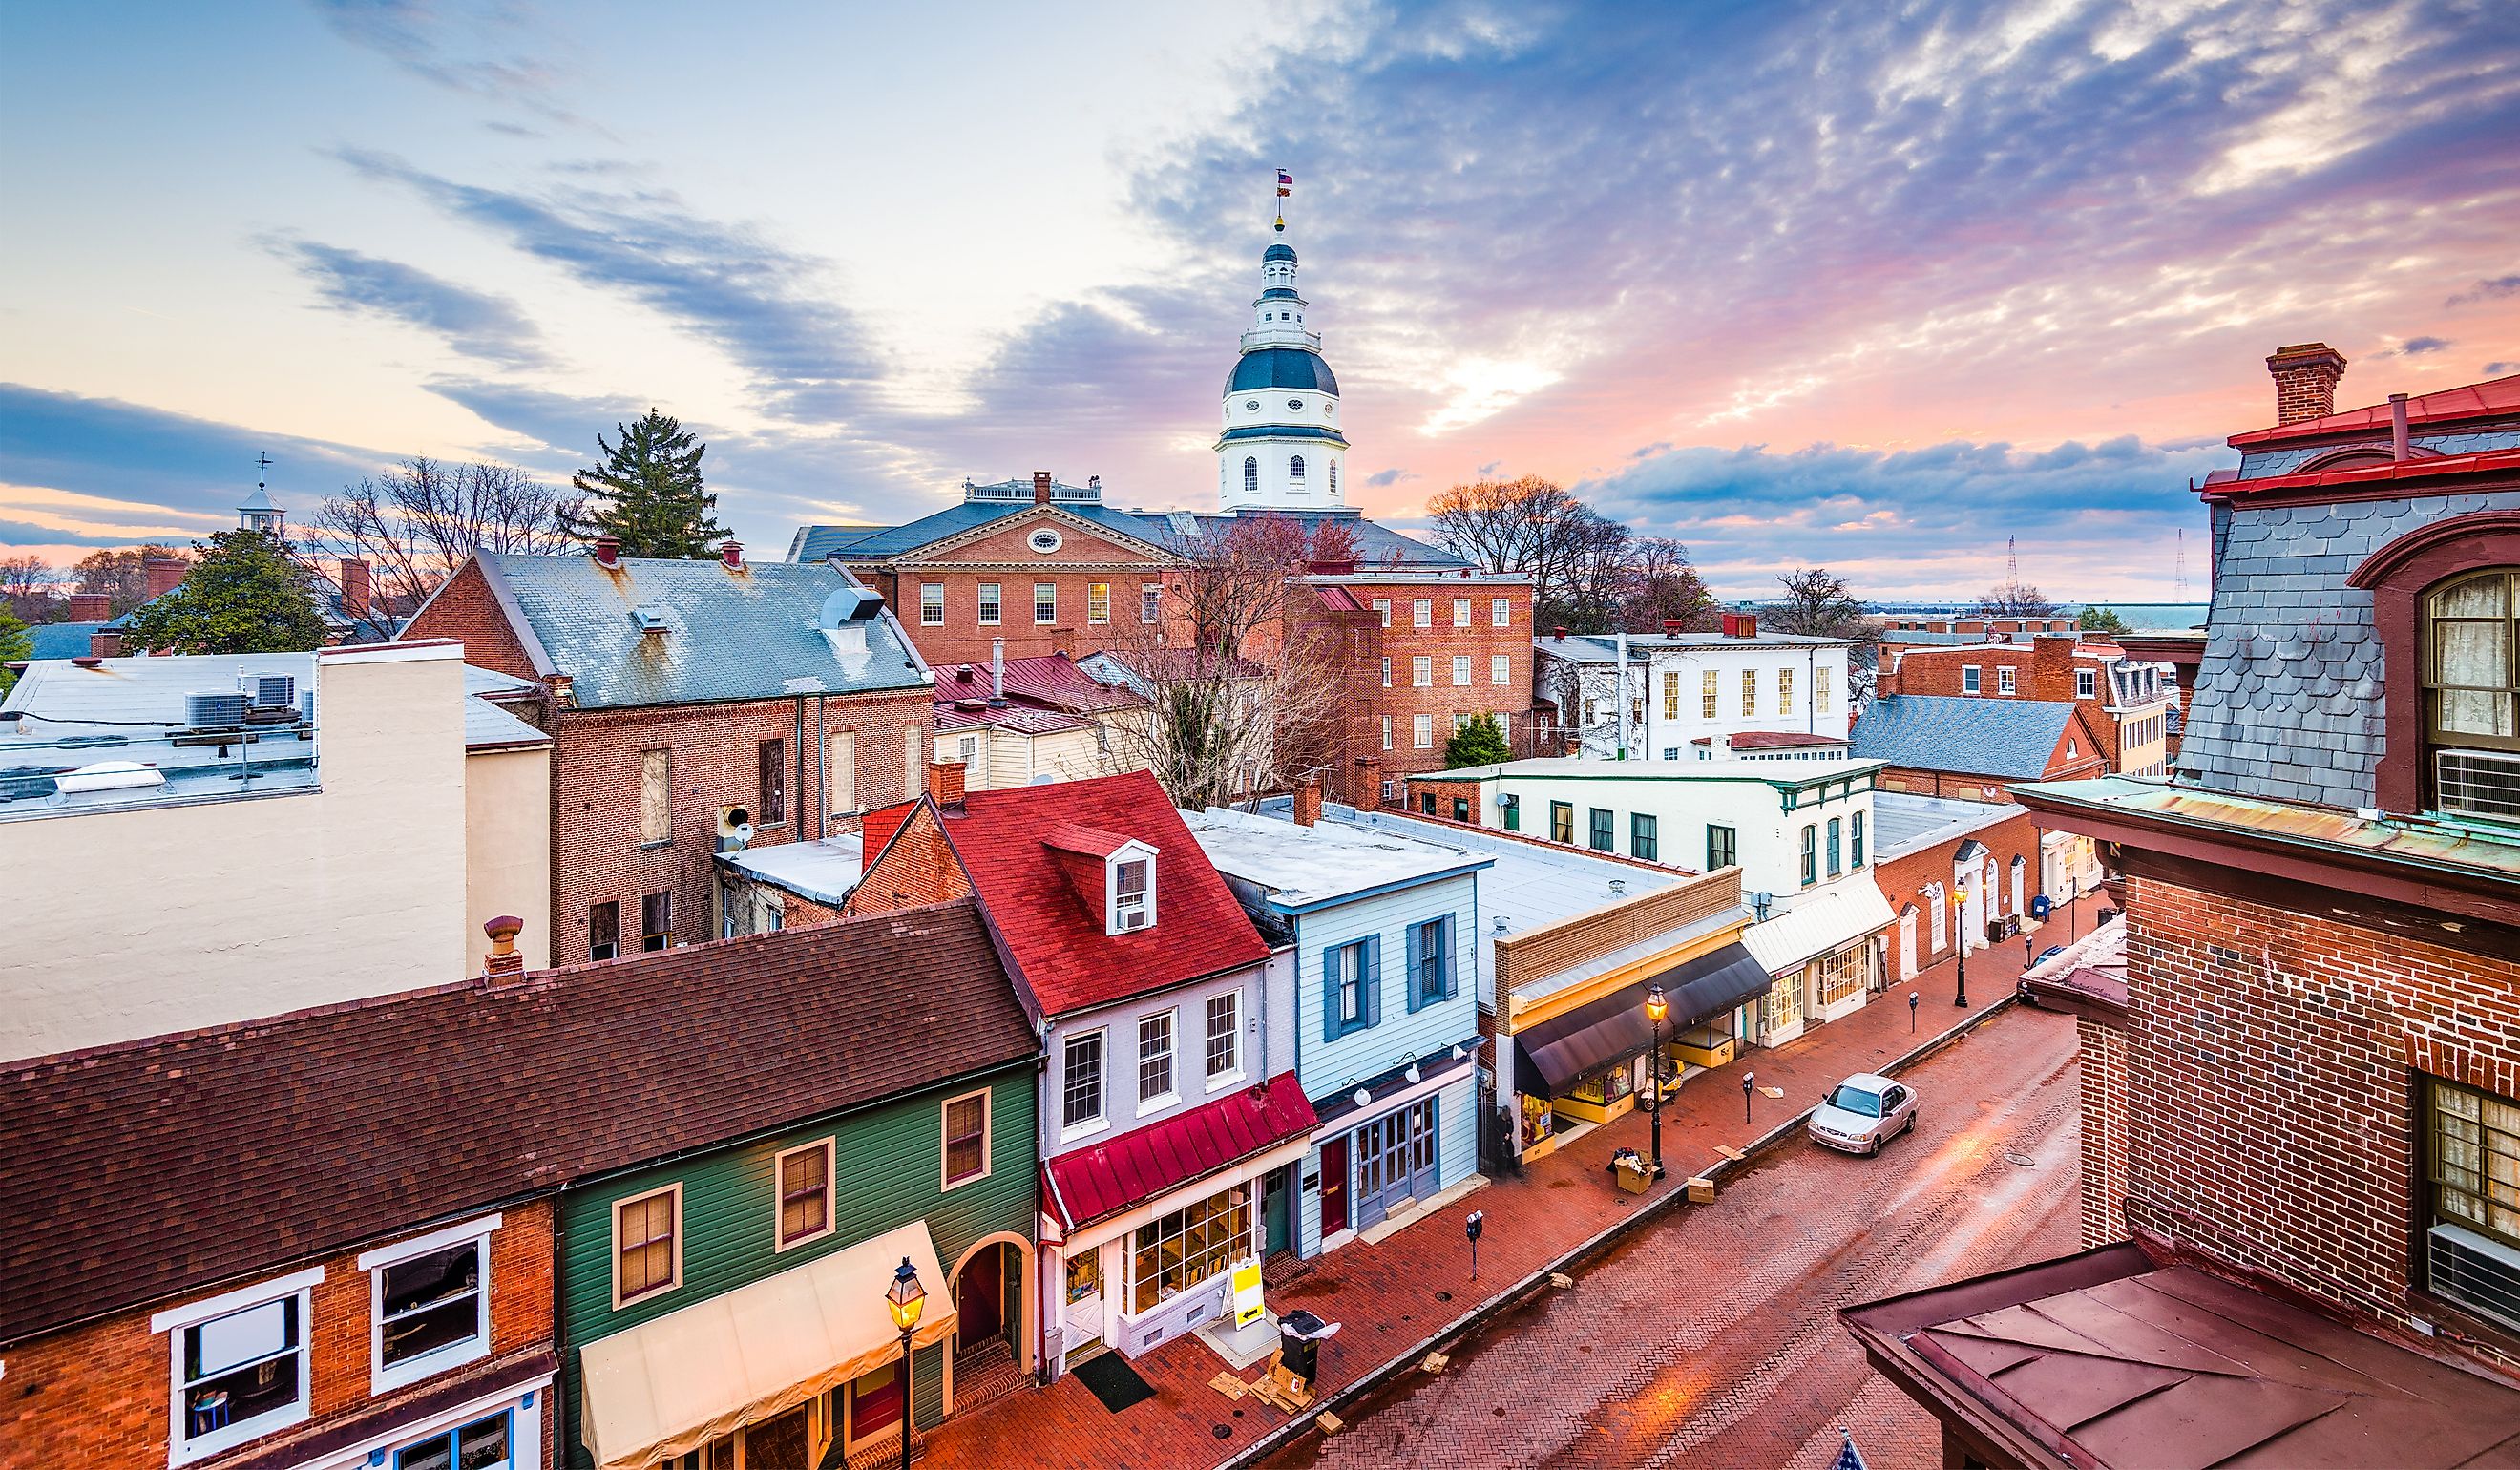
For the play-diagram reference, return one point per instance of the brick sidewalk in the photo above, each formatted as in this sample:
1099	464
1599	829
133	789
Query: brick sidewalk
1391	1296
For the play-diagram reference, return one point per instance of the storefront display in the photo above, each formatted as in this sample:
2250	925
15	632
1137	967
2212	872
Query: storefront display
1178	1251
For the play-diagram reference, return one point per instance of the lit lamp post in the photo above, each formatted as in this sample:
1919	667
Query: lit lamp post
1656	1008
1959	910
2073	920
906	1297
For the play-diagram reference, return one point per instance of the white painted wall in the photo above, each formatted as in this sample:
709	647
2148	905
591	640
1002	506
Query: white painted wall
1689	797
1192	1088
1654	735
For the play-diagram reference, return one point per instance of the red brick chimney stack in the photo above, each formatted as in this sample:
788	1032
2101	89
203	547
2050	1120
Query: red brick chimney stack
502	964
104	645
732	554
1308	803
2305	377
164	574
90	606
1041	487
945	783
357	586
608	551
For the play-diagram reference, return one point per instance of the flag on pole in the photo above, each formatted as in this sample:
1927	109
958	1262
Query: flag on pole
1848	1456
1286	183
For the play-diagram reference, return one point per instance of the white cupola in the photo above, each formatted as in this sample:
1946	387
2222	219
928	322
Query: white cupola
1281	448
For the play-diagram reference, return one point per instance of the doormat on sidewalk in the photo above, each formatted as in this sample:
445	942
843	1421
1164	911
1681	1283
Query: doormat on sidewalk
1114	1382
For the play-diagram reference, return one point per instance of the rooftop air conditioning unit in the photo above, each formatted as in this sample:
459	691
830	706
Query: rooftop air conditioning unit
214	710
2478	782
2474	1272
269	691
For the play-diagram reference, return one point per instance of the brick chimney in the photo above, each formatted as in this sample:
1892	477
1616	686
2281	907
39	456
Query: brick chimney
2305	375
1369	783
1041	487
503	964
945	783
104	645
1740	625
1308	803
357	586
90	606
732	554
2051	666
608	551
164	574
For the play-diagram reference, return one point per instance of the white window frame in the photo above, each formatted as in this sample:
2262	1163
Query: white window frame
1170	1054
1234	1073
1386	671
1045	598
175	1321
1421	612
1097	592
382	1377
1971	681
1150	602
1387	731
1128	853
1461	671
945	1182
2004	679
1422	672
1461	612
829	1149
992	607
1500	612
2086	684
931	604
673	1283
1422	730
1101	1118
1382	610
1500	668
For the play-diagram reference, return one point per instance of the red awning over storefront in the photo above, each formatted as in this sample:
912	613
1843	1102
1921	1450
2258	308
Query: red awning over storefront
1094	1184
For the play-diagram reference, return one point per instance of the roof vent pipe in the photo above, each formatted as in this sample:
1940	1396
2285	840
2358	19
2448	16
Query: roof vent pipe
608	551
2398	449
997	671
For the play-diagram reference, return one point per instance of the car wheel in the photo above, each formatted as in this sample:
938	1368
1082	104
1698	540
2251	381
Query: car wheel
1873	1150
1911	1126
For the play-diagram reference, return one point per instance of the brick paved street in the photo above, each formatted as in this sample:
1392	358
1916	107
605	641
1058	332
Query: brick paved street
1393	1295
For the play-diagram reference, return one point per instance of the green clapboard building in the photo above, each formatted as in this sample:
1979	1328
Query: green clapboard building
723	1307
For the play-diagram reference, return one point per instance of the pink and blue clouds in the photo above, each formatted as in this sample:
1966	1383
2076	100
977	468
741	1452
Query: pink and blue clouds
1867	285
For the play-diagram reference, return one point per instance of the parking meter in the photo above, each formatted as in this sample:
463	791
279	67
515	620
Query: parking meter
1476	1227
1749	1085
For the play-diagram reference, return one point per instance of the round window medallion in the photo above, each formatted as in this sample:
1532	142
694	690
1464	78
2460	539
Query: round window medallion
1044	540
1298	404
1251	405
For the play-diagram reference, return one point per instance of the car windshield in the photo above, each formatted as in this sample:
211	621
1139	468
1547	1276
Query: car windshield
1856	1100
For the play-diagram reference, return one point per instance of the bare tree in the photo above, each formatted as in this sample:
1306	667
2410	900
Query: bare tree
123	576
1235	705
30	588
2014	599
1663	588
1577	560
416	524
1818	603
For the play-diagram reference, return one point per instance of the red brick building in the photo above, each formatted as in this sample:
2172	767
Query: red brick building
687	701
2127	705
2304	1087
1928	852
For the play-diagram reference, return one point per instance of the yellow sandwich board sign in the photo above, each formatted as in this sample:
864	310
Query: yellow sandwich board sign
1246	1292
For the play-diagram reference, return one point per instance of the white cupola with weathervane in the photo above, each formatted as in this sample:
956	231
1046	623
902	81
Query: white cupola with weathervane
1281	449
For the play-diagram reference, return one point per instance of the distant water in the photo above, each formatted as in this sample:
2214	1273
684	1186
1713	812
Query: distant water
2158	616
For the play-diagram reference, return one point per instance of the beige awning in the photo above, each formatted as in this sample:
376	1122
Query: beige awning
669	1386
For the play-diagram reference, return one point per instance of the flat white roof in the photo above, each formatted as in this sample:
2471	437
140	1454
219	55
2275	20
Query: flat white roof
826	871
1796	773
1305	866
1903	822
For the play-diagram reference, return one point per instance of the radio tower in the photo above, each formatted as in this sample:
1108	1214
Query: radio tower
2183	563
2011	564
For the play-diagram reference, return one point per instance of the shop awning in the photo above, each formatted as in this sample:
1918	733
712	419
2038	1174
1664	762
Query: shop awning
669	1386
1094	1184
1822	924
1551	1055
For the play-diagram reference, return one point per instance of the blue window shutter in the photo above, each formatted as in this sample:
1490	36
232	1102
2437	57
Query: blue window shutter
1372	979
1330	994
1416	968
1452	962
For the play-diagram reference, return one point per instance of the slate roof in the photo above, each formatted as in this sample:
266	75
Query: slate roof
814	543
244	1148
1050	931
729	634
2007	738
1376	545
971	514
60	640
1096	1183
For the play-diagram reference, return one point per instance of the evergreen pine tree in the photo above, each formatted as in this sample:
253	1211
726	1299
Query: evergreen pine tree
244	594
1478	744
14	645
647	491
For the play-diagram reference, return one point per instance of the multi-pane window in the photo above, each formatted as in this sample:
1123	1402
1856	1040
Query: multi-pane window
1150	603
1421	613
931	604
1811	856
1500	612
1382	610
2003	679
239	1375
1461	612
1224	1033
1250	476
2470	694
1461	670
1644	836
1430	961
645	1260
1820	690
1671	693
989	605
1386	723
656	796
1784	691
804	1194
1132	895
1500	668
1421	671
1080	1085
1386	671
2086	684
1561	823
967	1138
433	1305
1351	978
1707	695
1845	972
1749	691
482	1445
1422	730
1176	1252
1045	602
1836	832
2474	1159
1855	831
1602	826
604	930
1097	601
1460	722
656	920
772	809
1155	1057
1970	678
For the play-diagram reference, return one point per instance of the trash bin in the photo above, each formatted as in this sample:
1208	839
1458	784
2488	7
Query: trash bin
1299	1343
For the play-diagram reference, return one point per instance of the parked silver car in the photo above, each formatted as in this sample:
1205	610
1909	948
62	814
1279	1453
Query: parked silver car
1862	1113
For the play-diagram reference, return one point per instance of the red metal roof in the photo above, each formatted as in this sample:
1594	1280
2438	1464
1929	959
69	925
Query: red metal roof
1146	1162
2352	477
1052	935
2494	398
1049	679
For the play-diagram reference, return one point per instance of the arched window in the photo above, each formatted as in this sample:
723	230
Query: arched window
1333	477
1252	476
1295	467
2469	691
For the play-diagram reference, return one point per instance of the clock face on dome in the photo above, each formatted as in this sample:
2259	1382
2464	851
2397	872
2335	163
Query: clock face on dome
1298	404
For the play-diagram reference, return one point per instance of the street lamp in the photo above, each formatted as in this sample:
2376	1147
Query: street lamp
905	1297
1656	1008
2073	920
1960	908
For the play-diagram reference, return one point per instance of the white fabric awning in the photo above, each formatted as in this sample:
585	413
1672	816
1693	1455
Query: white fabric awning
1829	919
669	1386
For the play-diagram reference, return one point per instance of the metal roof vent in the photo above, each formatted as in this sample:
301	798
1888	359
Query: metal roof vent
110	775
648	620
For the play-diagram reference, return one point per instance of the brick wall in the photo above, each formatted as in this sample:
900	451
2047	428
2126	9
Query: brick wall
595	850
1435	798
1903	880
97	1394
1569	942
465	609
2043	668
2271	1066
1365	642
2102	1051
915	867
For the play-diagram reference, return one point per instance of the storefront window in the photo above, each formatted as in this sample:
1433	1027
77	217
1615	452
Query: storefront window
1181	1249
1845	972
1604	1087
1538	1120
1084	1274
1784	1003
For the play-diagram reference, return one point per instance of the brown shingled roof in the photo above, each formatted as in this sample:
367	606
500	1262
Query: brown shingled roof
140	1171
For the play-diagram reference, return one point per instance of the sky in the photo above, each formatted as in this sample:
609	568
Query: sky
1877	287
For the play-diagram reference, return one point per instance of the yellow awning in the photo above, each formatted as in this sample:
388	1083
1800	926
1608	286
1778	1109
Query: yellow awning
669	1386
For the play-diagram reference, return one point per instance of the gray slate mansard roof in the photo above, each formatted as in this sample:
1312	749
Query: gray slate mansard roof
1171	530
2010	738
729	634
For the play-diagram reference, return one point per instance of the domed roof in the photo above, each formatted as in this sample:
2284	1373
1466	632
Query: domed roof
1282	368
1279	251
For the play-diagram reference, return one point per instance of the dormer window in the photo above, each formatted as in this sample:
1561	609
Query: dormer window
2472	741
1133	892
